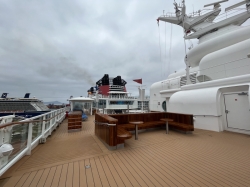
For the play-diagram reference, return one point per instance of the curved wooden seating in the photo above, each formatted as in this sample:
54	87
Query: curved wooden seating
119	132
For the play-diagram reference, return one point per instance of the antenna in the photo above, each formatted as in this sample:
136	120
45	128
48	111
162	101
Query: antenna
216	4
247	2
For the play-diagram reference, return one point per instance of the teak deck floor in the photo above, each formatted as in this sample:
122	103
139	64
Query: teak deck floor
203	158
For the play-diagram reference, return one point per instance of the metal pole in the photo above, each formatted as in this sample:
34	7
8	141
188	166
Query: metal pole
166	127
136	131
91	109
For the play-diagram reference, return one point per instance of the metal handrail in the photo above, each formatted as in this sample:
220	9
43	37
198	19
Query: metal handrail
100	123
27	121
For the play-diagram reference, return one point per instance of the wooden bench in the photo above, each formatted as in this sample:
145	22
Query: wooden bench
122	135
119	131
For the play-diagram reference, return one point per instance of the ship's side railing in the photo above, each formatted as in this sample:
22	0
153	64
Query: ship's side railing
120	97
25	135
229	69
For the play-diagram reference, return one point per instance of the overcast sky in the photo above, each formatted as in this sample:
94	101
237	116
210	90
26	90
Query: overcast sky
58	48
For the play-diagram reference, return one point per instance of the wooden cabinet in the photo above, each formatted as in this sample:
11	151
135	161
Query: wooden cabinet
75	120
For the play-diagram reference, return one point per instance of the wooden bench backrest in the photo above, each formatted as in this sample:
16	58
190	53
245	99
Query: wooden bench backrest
145	117
154	116
181	118
103	118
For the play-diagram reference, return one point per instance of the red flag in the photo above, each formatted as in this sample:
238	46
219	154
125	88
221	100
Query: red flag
138	81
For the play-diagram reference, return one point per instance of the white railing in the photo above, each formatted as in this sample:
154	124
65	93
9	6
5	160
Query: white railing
228	69
116	97
25	135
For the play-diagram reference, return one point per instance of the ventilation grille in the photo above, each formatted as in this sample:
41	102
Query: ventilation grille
192	77
116	88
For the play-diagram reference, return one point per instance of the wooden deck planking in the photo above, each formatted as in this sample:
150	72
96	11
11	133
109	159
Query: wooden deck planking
197	166
174	172
122	176
203	158
69	177
127	169
102	174
95	173
149	166
194	168
134	170
50	176
82	170
22	180
89	174
210	164
76	174
147	171
29	179
43	178
142	172
57	176
113	171
36	178
107	171
62	180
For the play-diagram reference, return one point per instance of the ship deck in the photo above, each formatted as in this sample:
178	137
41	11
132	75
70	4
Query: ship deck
79	158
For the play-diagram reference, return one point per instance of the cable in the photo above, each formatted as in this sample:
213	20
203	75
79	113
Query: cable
160	47
165	46
170	50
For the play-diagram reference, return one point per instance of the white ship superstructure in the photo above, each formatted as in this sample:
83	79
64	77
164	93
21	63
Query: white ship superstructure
111	96
214	87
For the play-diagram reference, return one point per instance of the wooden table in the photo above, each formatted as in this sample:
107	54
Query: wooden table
166	120
136	123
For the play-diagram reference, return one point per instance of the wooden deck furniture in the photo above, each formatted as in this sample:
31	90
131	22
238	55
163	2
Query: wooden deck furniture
166	121
74	120
136	123
114	129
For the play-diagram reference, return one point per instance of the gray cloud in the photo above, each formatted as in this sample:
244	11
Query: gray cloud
55	49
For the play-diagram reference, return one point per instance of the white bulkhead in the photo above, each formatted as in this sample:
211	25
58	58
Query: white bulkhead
195	55
228	62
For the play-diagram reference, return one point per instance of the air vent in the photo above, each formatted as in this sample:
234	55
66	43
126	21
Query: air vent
192	77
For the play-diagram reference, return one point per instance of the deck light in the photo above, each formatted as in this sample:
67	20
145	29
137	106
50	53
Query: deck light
87	166
5	150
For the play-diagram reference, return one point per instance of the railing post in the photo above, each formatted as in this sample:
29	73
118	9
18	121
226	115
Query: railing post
43	126
50	124
29	139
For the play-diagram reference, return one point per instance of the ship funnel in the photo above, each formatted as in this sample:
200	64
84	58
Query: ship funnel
4	95
27	95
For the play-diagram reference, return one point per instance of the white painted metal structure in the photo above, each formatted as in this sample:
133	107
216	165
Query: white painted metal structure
218	95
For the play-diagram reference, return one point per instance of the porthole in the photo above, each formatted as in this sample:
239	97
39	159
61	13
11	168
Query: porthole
164	107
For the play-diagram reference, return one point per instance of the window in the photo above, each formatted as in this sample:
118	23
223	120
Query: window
164	106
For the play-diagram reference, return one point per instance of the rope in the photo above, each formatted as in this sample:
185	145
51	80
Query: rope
170	49
165	43
160	48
